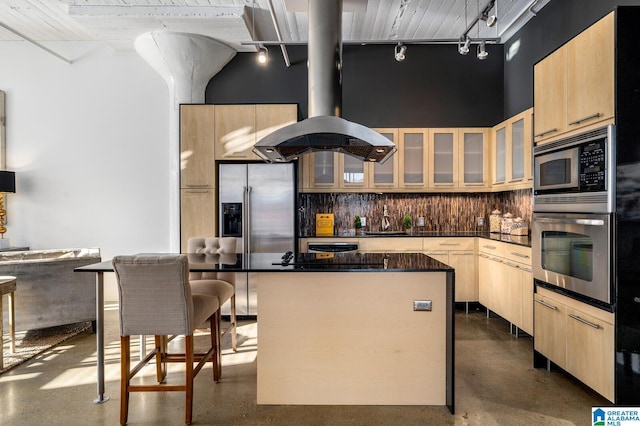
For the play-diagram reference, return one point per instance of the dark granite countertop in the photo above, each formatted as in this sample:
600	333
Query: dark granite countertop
522	240
304	262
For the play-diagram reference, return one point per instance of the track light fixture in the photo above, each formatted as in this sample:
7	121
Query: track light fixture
490	20
482	51
263	54
400	52
463	45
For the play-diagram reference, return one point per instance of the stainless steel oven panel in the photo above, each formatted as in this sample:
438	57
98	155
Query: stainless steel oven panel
561	256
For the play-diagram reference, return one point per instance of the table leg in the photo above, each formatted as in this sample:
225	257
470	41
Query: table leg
102	398
12	322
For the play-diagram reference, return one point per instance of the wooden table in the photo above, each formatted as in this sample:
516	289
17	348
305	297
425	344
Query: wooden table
8	286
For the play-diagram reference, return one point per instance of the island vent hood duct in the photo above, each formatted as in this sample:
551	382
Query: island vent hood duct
324	130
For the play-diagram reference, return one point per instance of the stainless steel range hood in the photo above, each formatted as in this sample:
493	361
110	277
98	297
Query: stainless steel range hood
324	130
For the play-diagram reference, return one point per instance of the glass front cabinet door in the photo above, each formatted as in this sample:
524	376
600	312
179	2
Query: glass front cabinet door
412	149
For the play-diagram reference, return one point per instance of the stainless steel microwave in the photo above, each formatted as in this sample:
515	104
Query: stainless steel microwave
576	174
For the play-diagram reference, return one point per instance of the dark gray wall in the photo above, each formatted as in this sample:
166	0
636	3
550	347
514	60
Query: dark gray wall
434	87
558	22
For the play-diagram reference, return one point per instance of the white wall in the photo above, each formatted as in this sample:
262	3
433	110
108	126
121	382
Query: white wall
89	142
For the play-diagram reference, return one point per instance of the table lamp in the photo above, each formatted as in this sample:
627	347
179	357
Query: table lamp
7	184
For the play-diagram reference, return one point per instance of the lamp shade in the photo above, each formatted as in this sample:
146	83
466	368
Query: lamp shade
7	181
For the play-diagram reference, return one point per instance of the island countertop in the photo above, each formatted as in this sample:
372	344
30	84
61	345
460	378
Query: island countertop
303	262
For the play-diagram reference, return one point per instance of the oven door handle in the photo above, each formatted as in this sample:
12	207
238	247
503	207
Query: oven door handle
587	222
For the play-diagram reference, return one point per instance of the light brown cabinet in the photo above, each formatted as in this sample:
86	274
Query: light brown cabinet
590	83
473	158
412	153
197	172
512	149
385	176
197	132
459	253
578	338
505	284
197	214
239	127
571	89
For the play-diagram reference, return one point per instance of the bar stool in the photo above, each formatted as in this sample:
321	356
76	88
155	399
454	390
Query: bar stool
8	286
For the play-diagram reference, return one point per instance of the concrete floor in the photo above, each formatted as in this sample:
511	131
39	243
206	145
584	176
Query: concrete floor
495	385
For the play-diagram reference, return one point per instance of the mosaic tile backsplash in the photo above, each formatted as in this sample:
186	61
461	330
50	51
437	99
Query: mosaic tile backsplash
448	212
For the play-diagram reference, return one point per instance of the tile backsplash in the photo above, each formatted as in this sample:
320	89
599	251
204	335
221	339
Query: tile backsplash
451	212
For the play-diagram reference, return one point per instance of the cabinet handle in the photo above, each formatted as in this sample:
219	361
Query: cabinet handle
525	269
449	244
516	180
197	185
196	191
546	132
489	247
436	252
483	255
443	184
495	259
546	304
513	265
462	254
519	255
584	321
474	184
588	117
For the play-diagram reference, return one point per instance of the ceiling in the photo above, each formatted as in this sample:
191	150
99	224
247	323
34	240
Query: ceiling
118	22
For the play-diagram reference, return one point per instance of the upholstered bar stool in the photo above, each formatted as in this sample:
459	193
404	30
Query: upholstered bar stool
219	284
8	286
155	299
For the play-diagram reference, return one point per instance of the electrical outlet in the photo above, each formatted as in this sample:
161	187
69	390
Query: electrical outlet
422	305
480	221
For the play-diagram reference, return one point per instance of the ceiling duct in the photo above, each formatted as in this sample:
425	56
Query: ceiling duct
324	130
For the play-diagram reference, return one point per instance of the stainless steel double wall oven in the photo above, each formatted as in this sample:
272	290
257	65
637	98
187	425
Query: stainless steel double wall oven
573	220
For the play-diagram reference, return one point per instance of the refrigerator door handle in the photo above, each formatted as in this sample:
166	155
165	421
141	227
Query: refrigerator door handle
248	220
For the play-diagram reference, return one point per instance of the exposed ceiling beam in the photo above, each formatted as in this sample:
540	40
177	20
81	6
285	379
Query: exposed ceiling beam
138	11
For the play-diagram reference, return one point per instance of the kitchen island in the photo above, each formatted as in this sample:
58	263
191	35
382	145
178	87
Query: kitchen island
350	329
347	328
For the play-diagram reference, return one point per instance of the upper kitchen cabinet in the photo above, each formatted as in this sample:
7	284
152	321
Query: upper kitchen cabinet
473	159
443	158
572	87
550	95
512	153
354	172
413	158
239	127
320	170
385	175
197	133
590	81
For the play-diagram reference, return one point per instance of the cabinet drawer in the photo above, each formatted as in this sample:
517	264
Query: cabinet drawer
494	248
400	244
447	244
517	253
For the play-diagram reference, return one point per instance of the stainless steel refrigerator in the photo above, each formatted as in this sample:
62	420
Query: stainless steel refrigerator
256	206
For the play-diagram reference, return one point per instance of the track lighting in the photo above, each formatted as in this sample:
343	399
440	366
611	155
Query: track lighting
400	52
490	20
482	51
463	45
263	55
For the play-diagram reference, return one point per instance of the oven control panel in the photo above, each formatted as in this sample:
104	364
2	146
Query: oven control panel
592	168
